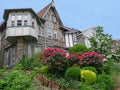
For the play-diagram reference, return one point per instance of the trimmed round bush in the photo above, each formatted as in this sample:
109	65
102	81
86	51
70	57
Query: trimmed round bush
72	73
88	77
90	68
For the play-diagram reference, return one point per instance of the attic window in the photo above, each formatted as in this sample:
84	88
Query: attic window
54	19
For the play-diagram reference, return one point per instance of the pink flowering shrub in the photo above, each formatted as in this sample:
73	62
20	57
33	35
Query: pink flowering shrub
56	59
73	59
91	59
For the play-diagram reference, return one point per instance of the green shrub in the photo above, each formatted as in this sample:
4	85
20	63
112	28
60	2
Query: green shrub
88	77
28	63
86	87
72	73
90	68
79	49
44	69
16	80
105	82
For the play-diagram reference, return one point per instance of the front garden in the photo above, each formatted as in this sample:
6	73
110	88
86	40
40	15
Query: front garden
54	69
83	69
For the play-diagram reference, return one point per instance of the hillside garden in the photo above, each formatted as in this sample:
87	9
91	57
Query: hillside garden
84	68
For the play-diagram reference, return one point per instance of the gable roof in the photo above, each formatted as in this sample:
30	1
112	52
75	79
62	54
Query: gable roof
43	12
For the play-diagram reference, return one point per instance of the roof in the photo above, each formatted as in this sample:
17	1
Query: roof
44	10
7	11
70	30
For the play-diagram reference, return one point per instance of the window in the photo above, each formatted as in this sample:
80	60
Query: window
19	17
54	19
49	33
32	24
74	37
13	18
19	22
25	22
12	23
25	17
54	34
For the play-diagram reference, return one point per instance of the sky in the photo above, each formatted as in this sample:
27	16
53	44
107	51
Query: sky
78	14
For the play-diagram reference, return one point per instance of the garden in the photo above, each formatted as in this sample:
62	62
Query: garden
94	68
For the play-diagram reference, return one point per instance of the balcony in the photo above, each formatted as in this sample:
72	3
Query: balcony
29	34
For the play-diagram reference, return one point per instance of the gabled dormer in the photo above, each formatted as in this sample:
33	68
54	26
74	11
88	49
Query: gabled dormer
21	23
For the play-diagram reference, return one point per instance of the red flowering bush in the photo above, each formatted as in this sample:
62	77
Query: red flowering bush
91	59
73	59
56	59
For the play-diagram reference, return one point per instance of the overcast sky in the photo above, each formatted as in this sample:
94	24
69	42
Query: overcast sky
78	14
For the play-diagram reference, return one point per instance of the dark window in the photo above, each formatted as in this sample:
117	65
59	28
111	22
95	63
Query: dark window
32	24
12	23
19	22
25	22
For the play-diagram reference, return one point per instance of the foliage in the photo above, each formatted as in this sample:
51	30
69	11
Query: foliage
90	68
73	84
87	76
91	59
28	63
44	69
86	87
73	59
16	80
72	73
56	60
113	57
105	82
101	42
79	48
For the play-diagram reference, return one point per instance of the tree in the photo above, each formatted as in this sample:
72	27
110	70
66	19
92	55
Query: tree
101	42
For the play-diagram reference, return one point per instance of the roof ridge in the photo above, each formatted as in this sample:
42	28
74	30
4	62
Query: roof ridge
42	12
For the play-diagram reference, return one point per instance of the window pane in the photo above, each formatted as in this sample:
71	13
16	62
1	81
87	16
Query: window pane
49	33
54	19
25	17
12	23
13	18
32	24
25	22
55	34
19	22
19	17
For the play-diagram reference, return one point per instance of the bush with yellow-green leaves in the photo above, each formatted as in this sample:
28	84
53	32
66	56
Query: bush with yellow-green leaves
88	77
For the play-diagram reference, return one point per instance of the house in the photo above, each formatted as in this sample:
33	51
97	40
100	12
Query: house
24	32
83	38
116	44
